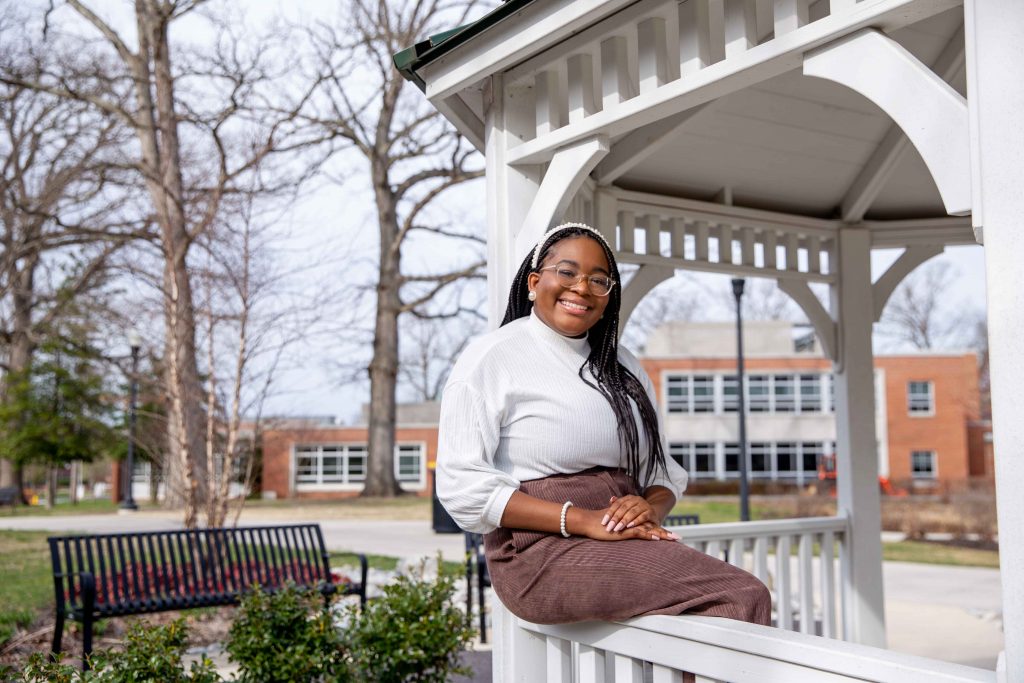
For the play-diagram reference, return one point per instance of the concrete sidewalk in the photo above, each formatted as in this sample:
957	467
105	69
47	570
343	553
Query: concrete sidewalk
948	613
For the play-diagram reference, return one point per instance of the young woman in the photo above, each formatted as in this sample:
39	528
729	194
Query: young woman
550	445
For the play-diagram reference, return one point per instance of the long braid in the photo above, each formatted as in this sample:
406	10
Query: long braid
620	387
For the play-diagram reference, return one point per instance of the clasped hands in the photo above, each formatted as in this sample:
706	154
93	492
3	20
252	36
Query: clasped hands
624	518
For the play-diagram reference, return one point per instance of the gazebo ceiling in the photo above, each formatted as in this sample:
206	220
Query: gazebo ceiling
796	144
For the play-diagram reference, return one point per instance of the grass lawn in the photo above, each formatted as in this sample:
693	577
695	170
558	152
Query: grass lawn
27	585
939	553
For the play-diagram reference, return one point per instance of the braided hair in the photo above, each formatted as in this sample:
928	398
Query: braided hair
620	387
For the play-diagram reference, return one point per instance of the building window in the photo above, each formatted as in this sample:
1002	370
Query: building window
785	458
810	454
758	391
920	398
730	394
680	452
732	459
704	457
677	397
922	464
832	393
761	459
810	393
409	464
785	393
330	464
703	394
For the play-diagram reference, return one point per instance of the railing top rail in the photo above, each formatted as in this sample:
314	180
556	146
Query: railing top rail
769	527
739	652
198	530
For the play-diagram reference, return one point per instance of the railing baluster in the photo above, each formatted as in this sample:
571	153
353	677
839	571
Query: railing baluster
628	669
747	246
845	584
581	87
678	232
663	674
814	254
627	228
736	548
546	93
591	664
770	244
740	27
828	586
616	83
761	558
700	236
652	234
783	591
725	243
806	553
792	246
714	549
652	60
559	659
790	15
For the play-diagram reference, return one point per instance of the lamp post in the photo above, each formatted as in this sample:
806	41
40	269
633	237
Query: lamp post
737	291
135	341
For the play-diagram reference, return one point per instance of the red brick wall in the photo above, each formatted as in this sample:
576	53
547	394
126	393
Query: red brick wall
956	402
277	454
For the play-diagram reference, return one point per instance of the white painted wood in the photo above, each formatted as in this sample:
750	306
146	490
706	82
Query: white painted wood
760	551
509	194
566	174
545	89
678	232
857	457
616	82
790	15
740	27
628	669
767	60
725	243
734	651
627	232
995	59
825	327
841	5
701	34
885	285
520	655
644	280
713	548
581	87
592	664
559	660
640	144
652	62
783	583
700	233
805	555
747	239
664	674
845	587
828	585
651	225
736	547
949	231
894	145
814	254
770	238
930	112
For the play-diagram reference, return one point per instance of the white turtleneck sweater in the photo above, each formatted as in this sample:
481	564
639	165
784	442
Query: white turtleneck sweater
515	409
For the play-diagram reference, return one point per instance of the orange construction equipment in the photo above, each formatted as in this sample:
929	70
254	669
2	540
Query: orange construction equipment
827	472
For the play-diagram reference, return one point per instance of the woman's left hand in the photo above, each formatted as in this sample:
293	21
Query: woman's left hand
627	512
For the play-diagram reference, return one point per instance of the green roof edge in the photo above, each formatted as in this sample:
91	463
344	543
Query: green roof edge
409	60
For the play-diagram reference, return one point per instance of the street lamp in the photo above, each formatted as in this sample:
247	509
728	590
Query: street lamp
737	291
135	342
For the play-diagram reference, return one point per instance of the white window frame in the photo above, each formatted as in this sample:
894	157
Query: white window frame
345	451
930	410
799	384
412	484
931	475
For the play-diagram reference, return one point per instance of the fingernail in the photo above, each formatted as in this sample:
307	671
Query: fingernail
604	520
620	526
674	537
610	526
631	525
654	537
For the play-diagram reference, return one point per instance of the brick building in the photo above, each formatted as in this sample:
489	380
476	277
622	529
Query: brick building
927	417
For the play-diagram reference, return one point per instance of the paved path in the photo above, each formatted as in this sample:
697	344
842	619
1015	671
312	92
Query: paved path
949	613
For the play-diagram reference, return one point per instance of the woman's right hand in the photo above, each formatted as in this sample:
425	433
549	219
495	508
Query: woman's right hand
580	522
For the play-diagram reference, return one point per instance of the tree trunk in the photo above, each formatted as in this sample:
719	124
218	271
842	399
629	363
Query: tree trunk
380	476
76	467
51	487
19	357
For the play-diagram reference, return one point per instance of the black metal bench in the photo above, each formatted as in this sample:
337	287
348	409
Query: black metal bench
113	575
9	496
680	520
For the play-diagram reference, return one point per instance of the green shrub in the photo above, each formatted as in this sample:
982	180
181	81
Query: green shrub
285	636
412	633
150	655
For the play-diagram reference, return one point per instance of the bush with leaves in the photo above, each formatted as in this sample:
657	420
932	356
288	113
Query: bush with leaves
286	636
151	654
412	633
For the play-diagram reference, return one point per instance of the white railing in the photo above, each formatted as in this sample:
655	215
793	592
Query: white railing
661	649
795	558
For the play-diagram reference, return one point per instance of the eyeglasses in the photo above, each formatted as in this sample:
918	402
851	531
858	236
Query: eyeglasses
569	277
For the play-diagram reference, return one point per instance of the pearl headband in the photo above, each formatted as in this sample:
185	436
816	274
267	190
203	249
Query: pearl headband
564	226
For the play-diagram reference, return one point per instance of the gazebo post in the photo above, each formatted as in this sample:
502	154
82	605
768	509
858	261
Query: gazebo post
995	59
857	451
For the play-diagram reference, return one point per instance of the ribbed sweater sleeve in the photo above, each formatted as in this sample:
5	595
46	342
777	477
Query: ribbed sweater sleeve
469	486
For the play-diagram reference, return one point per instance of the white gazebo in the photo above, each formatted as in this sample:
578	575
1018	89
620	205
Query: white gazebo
783	139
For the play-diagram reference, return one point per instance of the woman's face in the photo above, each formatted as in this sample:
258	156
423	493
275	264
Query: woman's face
574	310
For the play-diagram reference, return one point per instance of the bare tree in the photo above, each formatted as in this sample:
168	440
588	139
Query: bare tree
413	158
430	350
61	217
206	126
677	299
918	313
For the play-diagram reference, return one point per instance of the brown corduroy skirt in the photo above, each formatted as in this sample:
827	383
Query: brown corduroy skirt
547	579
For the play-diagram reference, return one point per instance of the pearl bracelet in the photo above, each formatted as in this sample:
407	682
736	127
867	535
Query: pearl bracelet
565	509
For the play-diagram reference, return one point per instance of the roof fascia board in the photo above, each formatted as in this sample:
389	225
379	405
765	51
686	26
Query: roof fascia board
524	33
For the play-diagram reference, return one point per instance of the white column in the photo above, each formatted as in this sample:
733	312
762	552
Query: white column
995	91
856	448
510	191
